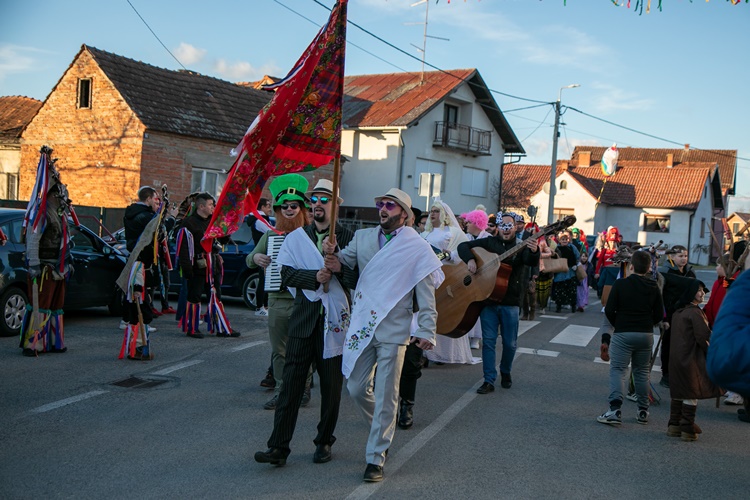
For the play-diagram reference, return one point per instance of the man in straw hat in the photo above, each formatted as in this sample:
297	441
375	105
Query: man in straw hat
398	272
316	329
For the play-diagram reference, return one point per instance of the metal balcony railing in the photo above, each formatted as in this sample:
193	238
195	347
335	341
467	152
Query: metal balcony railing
462	138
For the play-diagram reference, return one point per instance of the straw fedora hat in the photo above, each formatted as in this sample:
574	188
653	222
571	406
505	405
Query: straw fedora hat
403	199
324	186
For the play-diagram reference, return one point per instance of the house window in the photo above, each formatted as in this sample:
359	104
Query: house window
735	228
561	213
11	186
703	227
450	114
474	182
84	93
430	167
211	181
563	185
656	223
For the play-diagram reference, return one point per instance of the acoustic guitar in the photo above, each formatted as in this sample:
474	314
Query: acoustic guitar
459	298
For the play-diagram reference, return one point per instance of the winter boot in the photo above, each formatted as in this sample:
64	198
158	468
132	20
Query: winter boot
687	423
406	414
675	415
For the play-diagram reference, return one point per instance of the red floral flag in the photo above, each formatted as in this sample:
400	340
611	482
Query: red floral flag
299	130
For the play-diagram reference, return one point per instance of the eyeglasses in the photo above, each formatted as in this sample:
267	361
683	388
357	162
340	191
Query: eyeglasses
322	199
389	205
287	206
506	226
491	225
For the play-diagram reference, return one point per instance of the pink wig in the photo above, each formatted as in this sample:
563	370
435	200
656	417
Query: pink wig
477	217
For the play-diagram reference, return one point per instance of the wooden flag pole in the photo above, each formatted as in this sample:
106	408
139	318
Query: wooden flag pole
334	204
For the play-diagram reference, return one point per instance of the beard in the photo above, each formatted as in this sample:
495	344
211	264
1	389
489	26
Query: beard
392	222
319	215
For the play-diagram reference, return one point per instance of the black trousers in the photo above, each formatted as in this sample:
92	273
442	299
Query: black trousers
300	354
410	373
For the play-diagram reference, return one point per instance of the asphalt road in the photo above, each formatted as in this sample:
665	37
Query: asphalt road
70	433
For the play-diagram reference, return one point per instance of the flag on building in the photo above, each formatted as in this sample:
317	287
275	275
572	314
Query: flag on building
300	129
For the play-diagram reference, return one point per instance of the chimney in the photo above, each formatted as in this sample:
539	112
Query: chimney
670	160
584	158
687	147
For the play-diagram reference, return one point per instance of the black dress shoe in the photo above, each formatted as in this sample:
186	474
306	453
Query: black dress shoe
505	380
373	473
322	454
485	388
273	456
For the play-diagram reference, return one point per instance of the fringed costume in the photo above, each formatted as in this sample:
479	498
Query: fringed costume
48	259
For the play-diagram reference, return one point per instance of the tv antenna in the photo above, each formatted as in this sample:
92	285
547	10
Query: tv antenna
425	36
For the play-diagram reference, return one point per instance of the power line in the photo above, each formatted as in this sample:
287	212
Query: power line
538	126
348	42
155	35
386	42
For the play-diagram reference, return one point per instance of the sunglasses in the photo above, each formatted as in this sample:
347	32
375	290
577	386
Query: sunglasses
491	225
506	226
287	206
389	205
322	199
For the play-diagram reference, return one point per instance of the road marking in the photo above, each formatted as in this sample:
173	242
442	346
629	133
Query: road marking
575	335
68	401
178	366
538	352
248	345
595	302
525	326
553	317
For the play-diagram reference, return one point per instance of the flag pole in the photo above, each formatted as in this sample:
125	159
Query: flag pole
334	203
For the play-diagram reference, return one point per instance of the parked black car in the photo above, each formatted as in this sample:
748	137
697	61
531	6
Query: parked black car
96	267
239	280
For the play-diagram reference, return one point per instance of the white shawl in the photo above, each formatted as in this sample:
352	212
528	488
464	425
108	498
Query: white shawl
298	251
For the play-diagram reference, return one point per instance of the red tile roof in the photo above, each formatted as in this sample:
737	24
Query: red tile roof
15	113
726	159
521	182
401	99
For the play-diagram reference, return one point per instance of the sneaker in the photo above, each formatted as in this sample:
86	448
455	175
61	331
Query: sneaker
168	310
632	397
261	312
474	343
610	417
269	382
151	329
271	403
734	399
642	416
155	312
123	324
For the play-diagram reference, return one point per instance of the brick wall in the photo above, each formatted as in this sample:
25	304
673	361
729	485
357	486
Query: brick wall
99	148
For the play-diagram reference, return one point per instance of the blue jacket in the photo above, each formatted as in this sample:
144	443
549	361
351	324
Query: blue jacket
728	361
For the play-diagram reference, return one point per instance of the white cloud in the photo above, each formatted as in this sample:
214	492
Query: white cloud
188	54
612	98
16	59
244	71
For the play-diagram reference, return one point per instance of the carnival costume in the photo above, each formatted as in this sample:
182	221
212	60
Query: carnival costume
48	259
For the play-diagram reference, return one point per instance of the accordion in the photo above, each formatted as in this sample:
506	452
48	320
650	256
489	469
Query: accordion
273	271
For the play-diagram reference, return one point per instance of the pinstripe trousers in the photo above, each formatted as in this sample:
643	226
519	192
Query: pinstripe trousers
300	353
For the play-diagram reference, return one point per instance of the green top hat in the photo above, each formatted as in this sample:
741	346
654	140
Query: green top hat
288	187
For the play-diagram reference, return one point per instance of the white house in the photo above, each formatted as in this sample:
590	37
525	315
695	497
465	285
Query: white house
398	126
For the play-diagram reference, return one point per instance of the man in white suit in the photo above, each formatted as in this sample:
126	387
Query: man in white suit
398	273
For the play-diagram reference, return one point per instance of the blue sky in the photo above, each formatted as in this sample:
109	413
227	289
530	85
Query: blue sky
681	74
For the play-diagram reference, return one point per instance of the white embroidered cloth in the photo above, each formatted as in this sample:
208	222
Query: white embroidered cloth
394	271
298	251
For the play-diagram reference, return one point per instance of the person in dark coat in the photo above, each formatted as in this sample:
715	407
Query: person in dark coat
689	380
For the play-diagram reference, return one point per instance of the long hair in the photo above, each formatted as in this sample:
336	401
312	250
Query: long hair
288	225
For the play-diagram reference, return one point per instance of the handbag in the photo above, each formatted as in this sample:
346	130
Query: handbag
581	272
550	265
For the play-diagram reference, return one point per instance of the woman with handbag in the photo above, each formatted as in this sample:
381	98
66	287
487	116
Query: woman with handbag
565	283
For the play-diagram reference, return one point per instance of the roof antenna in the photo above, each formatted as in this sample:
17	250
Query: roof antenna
425	36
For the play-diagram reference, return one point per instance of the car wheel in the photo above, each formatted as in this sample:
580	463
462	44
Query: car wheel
250	291
13	303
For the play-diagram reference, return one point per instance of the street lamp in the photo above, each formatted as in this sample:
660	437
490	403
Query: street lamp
553	172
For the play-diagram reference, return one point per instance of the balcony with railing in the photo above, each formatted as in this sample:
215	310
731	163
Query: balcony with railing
462	138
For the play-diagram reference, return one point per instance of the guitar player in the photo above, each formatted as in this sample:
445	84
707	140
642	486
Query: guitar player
505	313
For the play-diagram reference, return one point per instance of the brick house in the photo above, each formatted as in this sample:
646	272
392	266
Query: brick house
117	124
649	200
15	113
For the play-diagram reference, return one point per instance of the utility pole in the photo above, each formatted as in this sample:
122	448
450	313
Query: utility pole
553	169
